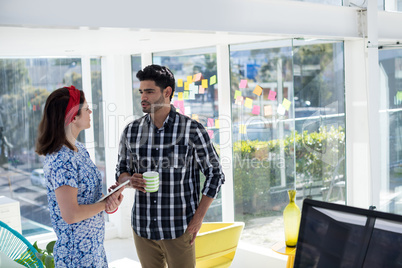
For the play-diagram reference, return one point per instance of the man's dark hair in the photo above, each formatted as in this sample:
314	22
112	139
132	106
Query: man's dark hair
161	75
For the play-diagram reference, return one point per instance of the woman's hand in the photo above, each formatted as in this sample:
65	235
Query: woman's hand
114	201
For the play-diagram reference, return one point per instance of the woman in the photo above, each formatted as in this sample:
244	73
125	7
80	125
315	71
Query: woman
74	184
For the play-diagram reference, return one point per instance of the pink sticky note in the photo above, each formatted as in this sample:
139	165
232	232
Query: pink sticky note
243	83
256	109
201	90
210	133
239	100
271	95
210	122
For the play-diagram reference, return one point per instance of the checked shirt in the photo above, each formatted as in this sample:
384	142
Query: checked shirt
179	150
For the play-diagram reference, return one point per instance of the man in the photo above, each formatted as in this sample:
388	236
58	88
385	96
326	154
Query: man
165	223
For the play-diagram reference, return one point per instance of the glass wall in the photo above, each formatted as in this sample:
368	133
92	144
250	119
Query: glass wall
135	67
288	130
390	61
196	96
24	86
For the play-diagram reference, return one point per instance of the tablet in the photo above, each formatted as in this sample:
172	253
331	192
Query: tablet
114	190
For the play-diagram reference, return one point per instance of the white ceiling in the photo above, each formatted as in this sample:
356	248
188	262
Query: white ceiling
24	41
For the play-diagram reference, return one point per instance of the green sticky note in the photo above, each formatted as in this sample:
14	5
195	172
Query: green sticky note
237	94
212	80
286	104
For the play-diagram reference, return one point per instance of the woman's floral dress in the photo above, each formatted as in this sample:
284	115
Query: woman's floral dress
79	244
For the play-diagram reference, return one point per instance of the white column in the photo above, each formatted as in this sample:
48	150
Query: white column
225	132
87	88
373	101
117	95
357	129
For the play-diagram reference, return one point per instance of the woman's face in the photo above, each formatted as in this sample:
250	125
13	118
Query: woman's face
83	121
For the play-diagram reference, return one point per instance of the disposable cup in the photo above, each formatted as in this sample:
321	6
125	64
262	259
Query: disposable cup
152	181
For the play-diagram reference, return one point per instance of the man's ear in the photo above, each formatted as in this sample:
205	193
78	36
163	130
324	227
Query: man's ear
168	92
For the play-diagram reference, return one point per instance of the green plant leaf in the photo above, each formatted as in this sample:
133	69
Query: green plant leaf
50	246
49	261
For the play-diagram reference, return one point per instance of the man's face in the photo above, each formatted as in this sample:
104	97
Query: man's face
152	97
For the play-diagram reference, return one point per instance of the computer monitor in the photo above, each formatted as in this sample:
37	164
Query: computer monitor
333	235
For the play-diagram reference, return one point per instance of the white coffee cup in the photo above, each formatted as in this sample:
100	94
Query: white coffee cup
152	181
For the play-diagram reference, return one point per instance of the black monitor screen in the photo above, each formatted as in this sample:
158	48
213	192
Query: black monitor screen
333	235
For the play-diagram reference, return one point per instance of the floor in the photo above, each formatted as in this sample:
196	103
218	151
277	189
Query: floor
121	253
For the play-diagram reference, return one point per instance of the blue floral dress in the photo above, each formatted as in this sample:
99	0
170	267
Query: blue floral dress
79	244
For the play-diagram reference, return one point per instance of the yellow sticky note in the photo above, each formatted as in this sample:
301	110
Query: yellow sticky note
237	94
212	80
195	117
186	86
180	95
217	123
286	103
179	82
242	129
248	103
257	90
204	83
190	79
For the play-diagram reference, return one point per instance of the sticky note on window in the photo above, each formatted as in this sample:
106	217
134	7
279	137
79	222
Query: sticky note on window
243	83
281	110
256	110
192	95
217	123
210	122
237	94
286	103
257	90
193	87
179	82
399	96
201	90
195	117
212	80
190	79
197	77
187	110
239	100
248	103
204	83
186	86
242	129
180	95
186	95
210	133
268	110
271	95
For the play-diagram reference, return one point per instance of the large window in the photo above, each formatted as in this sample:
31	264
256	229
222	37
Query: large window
288	130
391	129
196	96
25	85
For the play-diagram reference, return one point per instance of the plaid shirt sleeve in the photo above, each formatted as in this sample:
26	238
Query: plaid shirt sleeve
124	162
208	161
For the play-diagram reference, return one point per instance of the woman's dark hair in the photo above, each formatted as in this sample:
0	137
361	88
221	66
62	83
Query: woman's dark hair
51	133
161	75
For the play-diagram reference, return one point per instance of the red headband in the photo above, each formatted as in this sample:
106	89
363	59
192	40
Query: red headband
73	105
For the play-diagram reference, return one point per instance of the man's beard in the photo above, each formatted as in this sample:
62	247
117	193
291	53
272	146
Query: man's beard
154	107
